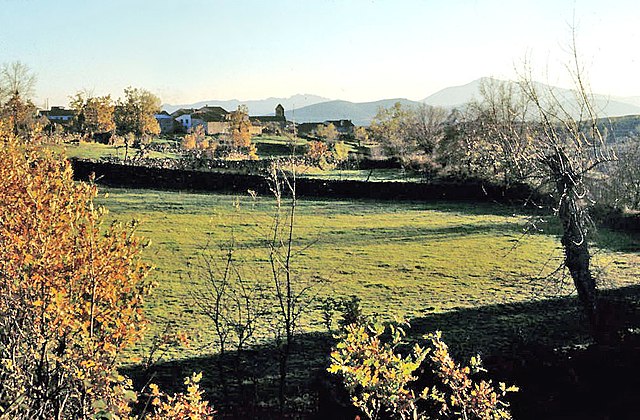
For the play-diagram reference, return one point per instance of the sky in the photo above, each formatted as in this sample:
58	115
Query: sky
356	50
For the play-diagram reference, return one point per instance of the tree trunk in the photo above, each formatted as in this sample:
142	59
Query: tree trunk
577	256
282	389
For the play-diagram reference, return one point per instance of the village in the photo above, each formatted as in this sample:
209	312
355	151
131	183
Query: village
216	120
343	210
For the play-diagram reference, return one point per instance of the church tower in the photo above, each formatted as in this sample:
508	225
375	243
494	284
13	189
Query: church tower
279	111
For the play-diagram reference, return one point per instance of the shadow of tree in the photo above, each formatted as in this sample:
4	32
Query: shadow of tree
542	346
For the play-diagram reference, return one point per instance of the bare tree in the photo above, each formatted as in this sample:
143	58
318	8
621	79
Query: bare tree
428	127
566	146
17	84
406	133
16	79
621	187
496	125
293	294
234	303
239	306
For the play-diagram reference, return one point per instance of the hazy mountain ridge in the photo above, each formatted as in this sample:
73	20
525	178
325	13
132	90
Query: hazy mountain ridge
313	108
359	113
256	107
605	105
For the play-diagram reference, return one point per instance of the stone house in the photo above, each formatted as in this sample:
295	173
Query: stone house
215	120
60	115
345	128
167	122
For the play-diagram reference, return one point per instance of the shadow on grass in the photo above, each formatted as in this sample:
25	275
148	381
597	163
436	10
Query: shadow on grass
367	235
539	346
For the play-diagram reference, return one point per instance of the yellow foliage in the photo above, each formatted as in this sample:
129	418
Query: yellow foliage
189	142
240	129
71	293
189	406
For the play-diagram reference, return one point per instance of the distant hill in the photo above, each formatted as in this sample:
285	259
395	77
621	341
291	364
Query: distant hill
606	106
360	113
455	96
633	100
256	107
313	108
452	97
620	128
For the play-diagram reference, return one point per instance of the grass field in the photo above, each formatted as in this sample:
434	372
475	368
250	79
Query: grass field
97	150
395	175
267	146
402	259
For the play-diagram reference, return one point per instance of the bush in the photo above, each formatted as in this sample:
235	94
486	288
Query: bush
71	293
378	377
189	406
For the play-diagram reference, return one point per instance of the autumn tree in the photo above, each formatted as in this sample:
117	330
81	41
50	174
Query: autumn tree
135	113
317	152
21	116
362	135
71	296
340	152
327	132
17	83
240	128
71	293
390	128
93	114
197	142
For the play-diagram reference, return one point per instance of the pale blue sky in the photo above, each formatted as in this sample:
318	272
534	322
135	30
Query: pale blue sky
354	50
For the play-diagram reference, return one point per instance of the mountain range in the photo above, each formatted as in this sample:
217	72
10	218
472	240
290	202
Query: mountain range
313	108
256	107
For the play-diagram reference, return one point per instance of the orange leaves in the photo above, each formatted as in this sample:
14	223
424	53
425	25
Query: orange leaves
240	128
317	150
71	296
73	287
459	394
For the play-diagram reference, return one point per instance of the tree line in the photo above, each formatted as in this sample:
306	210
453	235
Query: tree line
132	115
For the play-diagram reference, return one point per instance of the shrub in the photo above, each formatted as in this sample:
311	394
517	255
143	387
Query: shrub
317	151
378	377
189	406
71	294
71	291
458	394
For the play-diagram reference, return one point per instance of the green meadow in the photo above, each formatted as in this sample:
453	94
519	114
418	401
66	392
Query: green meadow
84	150
403	259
